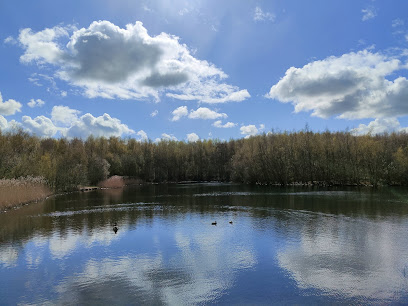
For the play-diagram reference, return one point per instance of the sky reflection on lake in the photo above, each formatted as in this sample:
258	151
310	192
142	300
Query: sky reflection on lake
284	246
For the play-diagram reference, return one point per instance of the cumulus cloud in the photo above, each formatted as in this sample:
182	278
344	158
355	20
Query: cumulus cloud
179	112
205	113
154	113
102	126
42	46
166	137
112	62
260	15
40	126
192	137
3	123
354	85
218	124
249	130
9	107
379	126
67	121
368	13
35	103
64	115
6	126
143	135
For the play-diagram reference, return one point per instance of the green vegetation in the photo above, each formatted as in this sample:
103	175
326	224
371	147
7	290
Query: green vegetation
284	158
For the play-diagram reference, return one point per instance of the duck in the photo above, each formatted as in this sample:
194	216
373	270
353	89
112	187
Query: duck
214	223
230	222
115	227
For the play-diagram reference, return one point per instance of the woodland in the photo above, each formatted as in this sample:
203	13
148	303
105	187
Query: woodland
276	158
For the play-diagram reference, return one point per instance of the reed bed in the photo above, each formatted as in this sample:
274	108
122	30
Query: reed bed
14	192
115	181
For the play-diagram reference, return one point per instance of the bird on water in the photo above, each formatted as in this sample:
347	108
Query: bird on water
214	223
115	227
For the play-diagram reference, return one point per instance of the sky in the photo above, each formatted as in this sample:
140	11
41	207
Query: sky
190	70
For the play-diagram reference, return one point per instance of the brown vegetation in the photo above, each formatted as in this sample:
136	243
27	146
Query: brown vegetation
305	157
112	182
14	192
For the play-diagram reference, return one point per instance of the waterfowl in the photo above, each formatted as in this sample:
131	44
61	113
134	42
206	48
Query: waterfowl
230	222
115	227
214	223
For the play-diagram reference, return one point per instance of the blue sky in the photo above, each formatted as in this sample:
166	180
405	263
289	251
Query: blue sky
191	70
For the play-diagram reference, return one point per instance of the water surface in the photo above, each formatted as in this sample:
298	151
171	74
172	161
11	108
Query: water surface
285	245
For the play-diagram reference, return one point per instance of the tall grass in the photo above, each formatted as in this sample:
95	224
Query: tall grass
14	192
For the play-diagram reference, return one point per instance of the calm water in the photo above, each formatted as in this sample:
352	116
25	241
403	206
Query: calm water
295	245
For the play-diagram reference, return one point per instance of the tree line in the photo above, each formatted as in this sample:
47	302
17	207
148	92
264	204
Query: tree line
304	157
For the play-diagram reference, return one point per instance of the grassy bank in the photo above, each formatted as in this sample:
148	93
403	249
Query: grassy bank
14	192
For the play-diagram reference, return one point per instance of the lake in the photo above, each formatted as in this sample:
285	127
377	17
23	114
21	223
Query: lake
291	245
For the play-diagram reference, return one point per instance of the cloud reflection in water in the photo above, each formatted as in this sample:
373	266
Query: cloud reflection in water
351	258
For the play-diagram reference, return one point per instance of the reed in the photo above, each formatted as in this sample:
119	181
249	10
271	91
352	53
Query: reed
19	191
115	181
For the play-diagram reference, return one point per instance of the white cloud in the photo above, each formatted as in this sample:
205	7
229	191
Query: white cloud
379	126
218	124
3	123
179	112
205	113
42	47
192	137
368	13
10	40
260	15
40	126
166	137
154	113
9	107
210	92
354	85
66	121
102	126
261	127
249	130
64	115
133	64
143	135
8	126
397	23
35	103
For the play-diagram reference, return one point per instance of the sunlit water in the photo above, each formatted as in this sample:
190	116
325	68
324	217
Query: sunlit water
288	246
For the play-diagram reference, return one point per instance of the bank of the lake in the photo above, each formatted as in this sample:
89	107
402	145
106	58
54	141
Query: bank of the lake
17	192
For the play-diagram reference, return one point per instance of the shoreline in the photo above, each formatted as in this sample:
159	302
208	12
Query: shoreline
131	182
